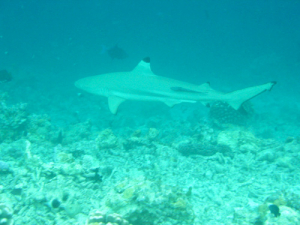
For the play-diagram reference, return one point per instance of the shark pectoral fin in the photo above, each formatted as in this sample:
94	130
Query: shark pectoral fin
114	102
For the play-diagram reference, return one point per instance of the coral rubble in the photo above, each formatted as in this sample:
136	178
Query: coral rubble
6	215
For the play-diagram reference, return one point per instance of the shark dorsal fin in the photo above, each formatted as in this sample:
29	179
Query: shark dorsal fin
144	67
114	102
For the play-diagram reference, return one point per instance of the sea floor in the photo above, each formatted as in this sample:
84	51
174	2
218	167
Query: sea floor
75	163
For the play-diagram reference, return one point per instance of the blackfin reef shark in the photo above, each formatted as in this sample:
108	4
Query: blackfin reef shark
141	84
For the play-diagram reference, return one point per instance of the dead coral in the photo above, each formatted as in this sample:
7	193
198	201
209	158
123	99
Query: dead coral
96	218
13	120
6	215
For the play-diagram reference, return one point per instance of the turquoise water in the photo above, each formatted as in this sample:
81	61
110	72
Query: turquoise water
64	155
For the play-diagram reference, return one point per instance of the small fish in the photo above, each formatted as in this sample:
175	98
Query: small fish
274	209
5	76
114	52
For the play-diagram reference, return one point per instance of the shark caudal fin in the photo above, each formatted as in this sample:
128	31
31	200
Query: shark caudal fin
236	98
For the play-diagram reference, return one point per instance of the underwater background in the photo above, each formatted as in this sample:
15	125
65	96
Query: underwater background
66	159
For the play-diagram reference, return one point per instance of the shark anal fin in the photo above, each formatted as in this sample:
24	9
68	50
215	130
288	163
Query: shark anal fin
114	102
171	103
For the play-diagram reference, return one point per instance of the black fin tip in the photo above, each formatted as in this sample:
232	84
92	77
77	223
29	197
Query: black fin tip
146	59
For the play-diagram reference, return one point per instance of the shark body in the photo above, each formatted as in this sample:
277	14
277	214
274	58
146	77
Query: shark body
142	84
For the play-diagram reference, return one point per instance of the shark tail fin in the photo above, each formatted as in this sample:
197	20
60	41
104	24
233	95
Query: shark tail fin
236	98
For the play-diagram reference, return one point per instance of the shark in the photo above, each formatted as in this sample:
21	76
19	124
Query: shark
141	84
